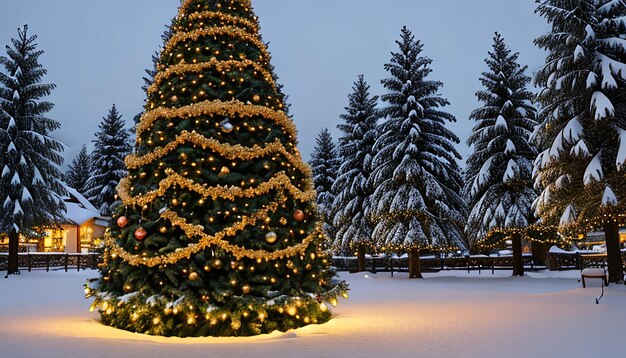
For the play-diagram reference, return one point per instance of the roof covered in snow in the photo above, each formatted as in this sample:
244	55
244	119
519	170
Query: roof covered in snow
79	210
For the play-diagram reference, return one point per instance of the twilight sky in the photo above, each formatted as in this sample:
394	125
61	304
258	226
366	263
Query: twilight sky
96	52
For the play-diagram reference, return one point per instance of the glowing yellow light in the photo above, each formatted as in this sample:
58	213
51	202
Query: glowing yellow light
291	310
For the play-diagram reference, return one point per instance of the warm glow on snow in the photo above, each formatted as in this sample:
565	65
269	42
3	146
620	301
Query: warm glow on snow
442	316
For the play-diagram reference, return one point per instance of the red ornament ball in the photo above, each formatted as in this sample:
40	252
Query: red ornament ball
140	234
298	215
122	221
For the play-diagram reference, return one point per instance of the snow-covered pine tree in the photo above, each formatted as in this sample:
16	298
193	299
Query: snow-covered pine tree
30	183
582	133
325	164
352	187
498	178
417	202
78	172
112	145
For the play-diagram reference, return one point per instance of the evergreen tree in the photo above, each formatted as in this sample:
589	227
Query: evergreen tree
30	183
324	164
582	132
417	201
78	172
151	72
111	146
352	186
498	183
218	233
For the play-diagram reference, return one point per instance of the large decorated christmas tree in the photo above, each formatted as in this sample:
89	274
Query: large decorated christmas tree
218	232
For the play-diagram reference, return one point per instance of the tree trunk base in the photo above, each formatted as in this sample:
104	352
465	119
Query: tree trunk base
13	264
518	260
415	270
360	259
613	253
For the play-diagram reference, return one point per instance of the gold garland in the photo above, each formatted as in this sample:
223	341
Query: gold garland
223	17
183	68
281	180
216	107
208	240
186	3
214	31
228	151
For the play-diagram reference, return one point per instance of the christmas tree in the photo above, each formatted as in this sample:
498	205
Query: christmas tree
355	152
111	146
30	184
218	232
498	181
582	133
417	203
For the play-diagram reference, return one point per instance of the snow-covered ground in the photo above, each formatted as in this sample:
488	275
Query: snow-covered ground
449	314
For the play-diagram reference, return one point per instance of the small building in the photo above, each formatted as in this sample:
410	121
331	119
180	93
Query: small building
80	229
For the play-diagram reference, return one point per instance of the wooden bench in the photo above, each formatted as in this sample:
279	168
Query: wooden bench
594	273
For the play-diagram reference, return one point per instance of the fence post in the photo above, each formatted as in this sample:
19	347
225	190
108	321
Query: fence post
67	256
30	264
78	263
47	263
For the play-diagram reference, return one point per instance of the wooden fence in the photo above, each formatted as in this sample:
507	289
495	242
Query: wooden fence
43	260
554	262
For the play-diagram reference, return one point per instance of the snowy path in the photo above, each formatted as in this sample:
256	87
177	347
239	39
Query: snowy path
44	315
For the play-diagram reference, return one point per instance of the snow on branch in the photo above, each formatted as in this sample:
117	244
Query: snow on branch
609	197
621	154
501	122
569	216
594	170
580	149
602	106
573	130
511	171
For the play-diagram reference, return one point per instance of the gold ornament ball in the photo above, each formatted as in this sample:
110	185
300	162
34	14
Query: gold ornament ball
256	98
174	98
193	276
298	215
271	237
217	263
246	289
163	229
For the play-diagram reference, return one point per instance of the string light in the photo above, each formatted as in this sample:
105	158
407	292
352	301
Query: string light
185	68
215	31
232	108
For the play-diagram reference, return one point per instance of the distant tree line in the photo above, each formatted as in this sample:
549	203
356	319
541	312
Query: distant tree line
543	167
